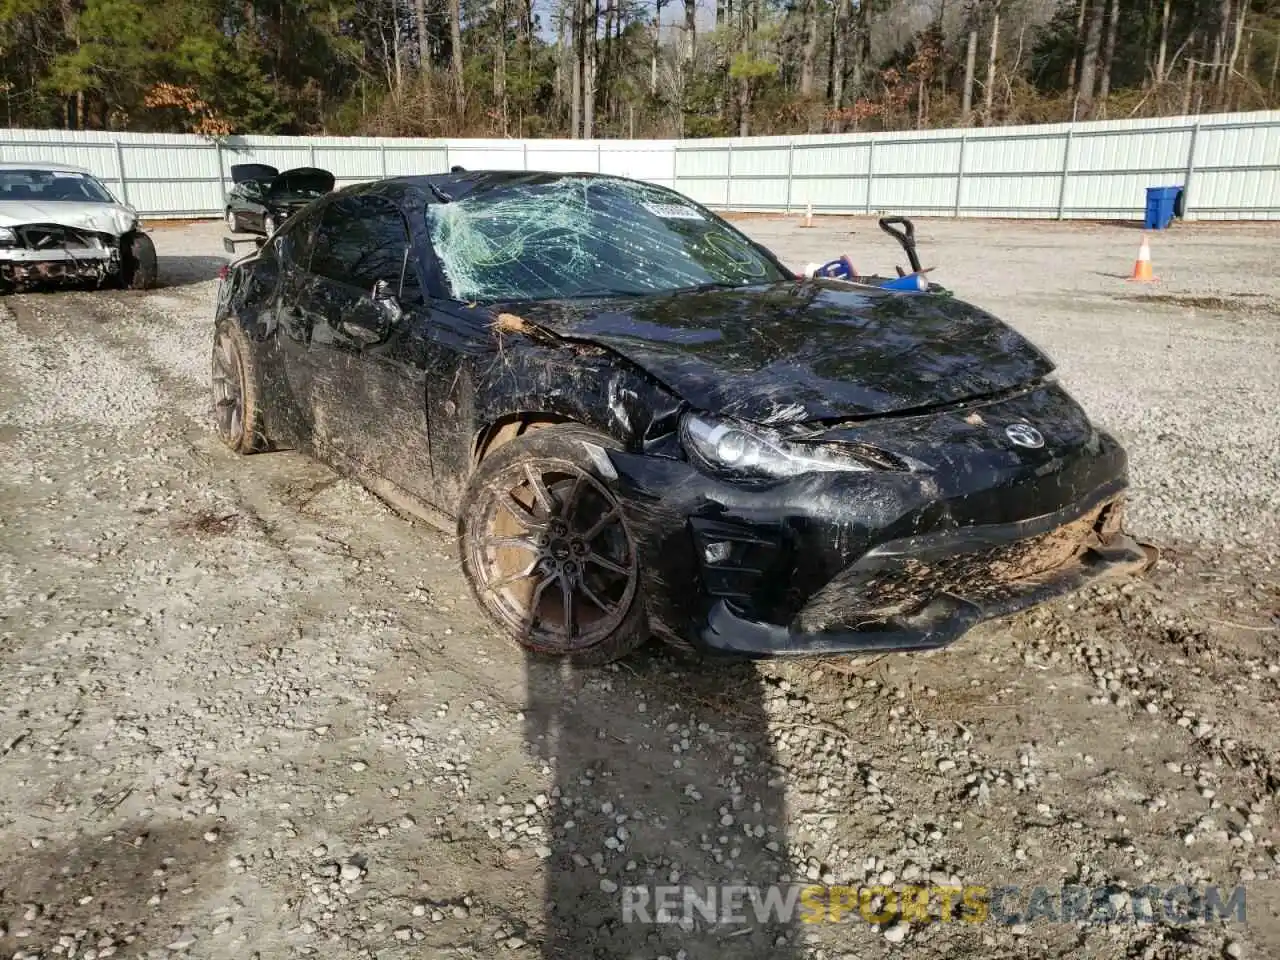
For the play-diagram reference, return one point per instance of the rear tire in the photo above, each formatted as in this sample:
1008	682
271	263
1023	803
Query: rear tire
268	224
233	221
547	551
237	415
138	266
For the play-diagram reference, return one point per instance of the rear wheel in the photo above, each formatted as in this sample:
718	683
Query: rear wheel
548	552
268	224
236	413
233	221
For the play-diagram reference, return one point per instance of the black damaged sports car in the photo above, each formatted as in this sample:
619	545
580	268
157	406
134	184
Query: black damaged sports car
263	197
642	420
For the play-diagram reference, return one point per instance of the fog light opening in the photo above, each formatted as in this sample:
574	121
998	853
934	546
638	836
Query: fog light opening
717	551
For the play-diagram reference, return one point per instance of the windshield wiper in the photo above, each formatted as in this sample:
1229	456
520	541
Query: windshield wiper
438	193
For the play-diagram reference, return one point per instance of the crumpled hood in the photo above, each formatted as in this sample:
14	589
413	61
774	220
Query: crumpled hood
113	218
805	351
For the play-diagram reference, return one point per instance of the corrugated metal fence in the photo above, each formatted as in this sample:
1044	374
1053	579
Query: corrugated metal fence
1229	165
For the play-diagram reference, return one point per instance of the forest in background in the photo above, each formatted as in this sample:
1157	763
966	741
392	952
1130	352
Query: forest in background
625	68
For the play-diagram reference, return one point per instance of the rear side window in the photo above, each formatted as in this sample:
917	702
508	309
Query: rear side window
362	240
293	240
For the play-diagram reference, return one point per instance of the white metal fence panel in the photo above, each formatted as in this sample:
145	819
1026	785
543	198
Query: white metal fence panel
1228	165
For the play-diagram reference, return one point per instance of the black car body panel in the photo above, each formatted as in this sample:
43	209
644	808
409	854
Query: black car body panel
807	351
253	172
263	196
301	180
957	522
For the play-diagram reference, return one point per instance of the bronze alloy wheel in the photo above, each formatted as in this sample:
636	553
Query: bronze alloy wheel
228	390
549	554
235	391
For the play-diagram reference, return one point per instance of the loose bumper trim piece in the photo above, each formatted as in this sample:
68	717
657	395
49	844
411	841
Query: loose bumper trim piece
947	609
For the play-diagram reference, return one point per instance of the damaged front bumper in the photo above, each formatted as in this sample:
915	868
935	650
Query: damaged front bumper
938	587
820	566
50	254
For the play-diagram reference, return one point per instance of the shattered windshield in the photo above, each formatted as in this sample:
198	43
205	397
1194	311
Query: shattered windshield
51	185
583	236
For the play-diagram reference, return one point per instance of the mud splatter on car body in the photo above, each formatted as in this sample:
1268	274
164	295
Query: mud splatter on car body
804	466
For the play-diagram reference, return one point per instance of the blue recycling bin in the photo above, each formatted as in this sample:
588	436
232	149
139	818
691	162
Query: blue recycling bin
1162	204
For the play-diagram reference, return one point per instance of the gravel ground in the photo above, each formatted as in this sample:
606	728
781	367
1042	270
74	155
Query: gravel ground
246	711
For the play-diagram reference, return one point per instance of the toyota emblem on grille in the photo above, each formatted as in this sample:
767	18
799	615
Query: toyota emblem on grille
1024	435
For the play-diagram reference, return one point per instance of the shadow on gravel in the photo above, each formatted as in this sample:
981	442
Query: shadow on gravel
666	774
182	271
98	889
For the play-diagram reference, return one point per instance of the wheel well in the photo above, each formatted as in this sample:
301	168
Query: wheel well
507	428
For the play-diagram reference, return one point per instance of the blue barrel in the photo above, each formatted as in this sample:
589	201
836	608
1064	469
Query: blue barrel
1162	204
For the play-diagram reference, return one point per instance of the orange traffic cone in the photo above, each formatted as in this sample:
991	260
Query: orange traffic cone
1142	266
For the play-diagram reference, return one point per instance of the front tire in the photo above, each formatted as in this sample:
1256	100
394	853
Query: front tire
233	221
548	552
138	266
237	415
268	224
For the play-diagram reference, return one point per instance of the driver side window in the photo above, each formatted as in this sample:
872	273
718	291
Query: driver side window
362	240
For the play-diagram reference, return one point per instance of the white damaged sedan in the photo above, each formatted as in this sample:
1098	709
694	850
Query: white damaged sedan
60	224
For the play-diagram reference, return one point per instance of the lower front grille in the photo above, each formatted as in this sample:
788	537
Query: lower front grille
904	585
734	560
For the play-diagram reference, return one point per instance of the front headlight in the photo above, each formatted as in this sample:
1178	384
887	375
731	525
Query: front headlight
754	451
7	237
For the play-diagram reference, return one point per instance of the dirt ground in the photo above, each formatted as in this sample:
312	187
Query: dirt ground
247	711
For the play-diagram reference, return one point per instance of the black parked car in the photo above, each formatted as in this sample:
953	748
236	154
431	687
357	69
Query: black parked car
263	197
641	419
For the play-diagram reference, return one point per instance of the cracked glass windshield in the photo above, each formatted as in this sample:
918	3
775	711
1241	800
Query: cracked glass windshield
584	237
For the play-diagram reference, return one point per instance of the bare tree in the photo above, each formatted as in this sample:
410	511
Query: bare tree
1189	78
990	89
839	40
809	26
420	19
691	30
1275	66
590	66
1164	42
1089	60
500	63
455	41
605	69
970	57
1078	48
575	94
1108	53
749	10
1241	12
